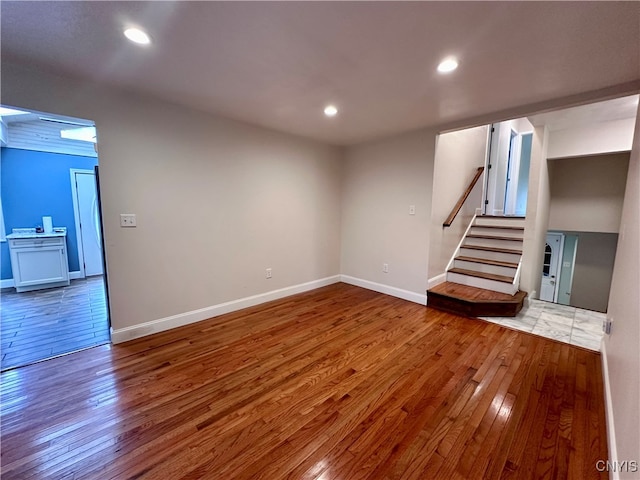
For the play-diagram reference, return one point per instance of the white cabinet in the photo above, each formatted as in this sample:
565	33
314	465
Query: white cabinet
39	262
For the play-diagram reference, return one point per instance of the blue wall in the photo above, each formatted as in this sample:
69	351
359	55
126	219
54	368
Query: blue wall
36	184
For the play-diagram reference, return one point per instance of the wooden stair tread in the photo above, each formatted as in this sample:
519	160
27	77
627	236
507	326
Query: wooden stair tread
486	261
475	294
493	237
487	276
493	249
505	227
473	301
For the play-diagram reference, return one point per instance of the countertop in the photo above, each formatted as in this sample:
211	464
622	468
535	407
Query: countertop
31	233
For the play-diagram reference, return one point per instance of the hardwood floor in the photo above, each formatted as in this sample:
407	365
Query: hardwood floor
337	383
45	323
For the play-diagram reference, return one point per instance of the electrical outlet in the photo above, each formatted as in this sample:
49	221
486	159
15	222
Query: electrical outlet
128	220
385	267
607	323
412	209
268	273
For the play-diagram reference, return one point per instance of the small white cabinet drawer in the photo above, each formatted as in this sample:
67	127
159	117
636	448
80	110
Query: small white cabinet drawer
36	242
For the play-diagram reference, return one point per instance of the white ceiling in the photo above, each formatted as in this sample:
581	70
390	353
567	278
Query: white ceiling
277	64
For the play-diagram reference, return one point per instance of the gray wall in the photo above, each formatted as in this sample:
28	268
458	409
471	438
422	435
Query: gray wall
587	192
593	270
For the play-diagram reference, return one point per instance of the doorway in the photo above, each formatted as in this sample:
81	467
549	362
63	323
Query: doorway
87	220
507	164
47	165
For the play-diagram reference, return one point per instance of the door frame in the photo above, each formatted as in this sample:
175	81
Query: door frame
76	214
513	171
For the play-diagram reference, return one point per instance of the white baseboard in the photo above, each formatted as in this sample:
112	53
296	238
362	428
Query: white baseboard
129	333
437	280
386	289
611	431
75	275
8	283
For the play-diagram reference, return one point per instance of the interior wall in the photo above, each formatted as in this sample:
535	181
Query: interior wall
37	184
537	218
594	259
457	158
217	201
587	192
594	139
621	346
381	180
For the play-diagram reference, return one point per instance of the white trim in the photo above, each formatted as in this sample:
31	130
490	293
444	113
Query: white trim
75	275
8	282
437	280
611	432
154	326
420	298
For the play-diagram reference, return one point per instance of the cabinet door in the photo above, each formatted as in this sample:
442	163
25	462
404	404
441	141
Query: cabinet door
40	265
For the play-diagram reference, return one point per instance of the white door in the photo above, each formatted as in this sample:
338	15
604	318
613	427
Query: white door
552	255
85	185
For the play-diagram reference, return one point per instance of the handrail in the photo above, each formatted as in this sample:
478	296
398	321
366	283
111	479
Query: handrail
463	198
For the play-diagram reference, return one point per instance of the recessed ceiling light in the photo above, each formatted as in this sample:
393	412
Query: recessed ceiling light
137	36
448	65
330	111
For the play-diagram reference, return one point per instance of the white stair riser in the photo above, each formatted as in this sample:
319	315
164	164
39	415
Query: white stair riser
502	257
499	232
505	221
490	242
494	285
485	268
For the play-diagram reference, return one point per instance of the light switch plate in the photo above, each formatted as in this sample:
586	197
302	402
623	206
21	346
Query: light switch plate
412	209
128	220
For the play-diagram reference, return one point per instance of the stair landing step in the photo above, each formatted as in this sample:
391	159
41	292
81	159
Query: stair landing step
492	249
474	302
494	237
488	276
498	227
497	263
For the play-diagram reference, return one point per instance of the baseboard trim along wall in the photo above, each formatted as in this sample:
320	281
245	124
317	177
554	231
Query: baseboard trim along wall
8	283
155	326
437	280
386	289
611	431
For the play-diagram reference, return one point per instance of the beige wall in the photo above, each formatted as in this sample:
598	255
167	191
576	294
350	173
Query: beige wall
537	217
595	257
381	180
217	201
458	156
622	346
598	138
587	192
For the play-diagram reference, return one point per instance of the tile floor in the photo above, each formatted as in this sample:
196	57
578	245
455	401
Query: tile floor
45	323
559	322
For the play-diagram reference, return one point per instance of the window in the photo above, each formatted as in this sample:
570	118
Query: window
546	265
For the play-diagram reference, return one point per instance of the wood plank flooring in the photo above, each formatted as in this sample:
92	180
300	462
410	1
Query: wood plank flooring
44	323
337	383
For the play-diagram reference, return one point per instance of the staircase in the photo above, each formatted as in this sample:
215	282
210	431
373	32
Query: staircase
483	275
